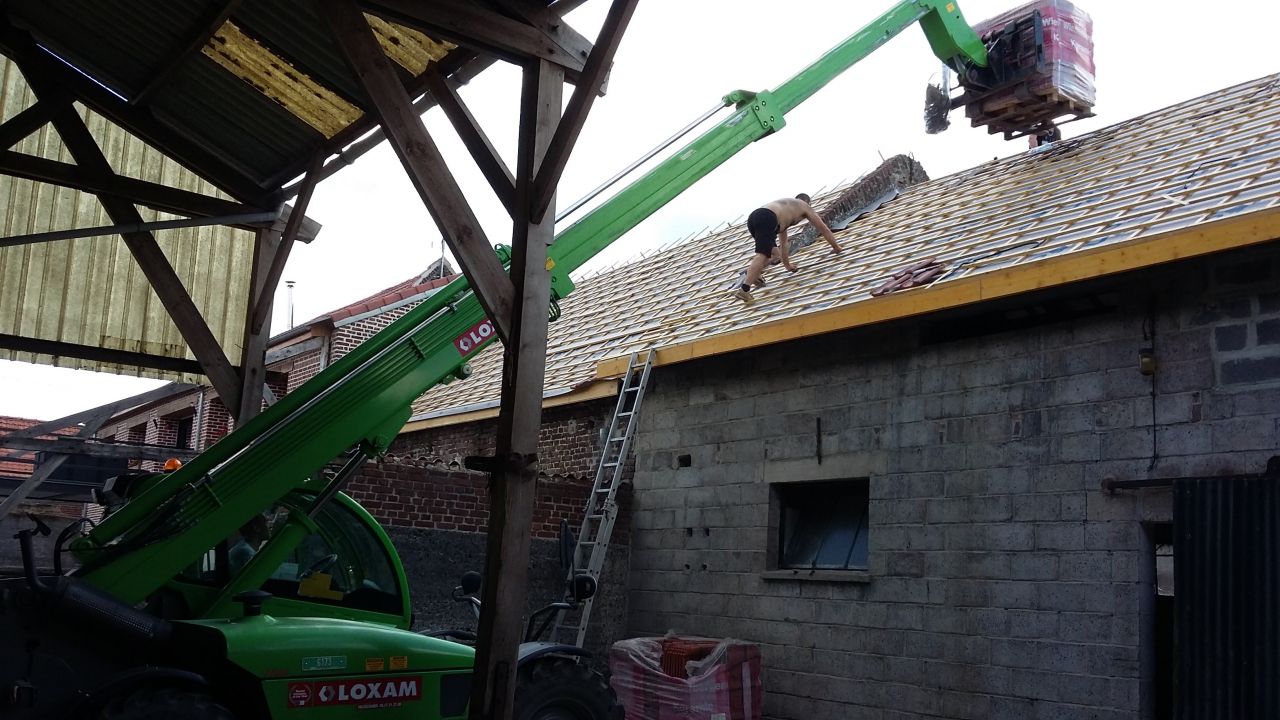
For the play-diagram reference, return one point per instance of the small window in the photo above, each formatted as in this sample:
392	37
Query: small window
822	525
184	431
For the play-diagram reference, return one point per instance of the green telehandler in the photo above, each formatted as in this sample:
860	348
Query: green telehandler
169	615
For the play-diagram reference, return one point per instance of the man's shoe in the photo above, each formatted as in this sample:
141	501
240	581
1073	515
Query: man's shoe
743	295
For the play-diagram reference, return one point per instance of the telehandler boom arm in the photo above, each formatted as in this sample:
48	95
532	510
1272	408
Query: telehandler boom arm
358	404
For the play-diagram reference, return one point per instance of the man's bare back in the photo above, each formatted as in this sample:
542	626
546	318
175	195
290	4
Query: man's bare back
789	210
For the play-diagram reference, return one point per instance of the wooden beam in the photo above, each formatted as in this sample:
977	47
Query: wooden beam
291	351
33	60
107	355
106	410
87	446
575	114
471	25
20	493
515	468
420	157
184	51
260	305
550	22
253	373
150	258
18	127
475	140
153	195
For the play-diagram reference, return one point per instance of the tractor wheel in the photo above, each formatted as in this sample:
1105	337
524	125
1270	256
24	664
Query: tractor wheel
162	704
561	688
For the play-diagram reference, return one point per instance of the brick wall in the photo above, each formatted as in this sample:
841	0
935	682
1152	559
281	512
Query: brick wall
348	337
438	512
1002	582
304	367
568	442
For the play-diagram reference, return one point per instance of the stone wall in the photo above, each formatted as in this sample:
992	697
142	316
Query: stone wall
1001	581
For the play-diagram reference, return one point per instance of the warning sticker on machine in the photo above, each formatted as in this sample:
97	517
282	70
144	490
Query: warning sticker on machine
377	693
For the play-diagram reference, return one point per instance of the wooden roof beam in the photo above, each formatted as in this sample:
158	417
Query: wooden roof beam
472	26
153	195
475	140
552	24
420	157
58	348
18	127
146	251
260	304
198	39
575	114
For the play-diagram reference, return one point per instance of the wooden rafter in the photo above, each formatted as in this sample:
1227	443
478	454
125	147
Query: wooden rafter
470	25
475	140
153	195
18	127
260	305
107	355
575	114
175	59
86	446
420	157
150	258
552	24
253	372
33	60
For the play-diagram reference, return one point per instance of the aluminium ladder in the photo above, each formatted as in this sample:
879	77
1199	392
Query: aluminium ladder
602	509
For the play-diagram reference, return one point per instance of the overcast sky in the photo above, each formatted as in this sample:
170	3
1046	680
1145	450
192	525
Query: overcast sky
675	62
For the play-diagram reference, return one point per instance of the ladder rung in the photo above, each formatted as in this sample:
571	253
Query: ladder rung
604	490
618	439
611	464
625	413
631	389
596	516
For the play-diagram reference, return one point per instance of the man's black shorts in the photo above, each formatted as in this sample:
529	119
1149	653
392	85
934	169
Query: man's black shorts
763	225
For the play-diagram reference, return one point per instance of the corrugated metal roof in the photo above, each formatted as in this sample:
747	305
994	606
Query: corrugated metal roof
89	291
1209	159
265	92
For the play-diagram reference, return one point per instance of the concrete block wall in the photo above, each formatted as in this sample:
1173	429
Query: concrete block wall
1002	582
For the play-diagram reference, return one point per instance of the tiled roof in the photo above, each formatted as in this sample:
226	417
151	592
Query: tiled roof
1214	158
403	291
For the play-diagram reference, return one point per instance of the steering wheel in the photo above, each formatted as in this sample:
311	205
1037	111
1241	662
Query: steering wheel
321	565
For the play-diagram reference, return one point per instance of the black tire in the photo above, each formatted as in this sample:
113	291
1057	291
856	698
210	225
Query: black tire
561	688
164	704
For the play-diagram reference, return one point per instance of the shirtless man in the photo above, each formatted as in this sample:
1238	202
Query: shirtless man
768	225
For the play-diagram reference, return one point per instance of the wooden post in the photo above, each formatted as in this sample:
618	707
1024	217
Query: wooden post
514	473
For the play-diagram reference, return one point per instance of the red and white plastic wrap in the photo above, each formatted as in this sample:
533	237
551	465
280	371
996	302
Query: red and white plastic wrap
686	678
1068	48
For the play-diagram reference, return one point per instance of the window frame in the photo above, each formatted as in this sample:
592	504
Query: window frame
782	496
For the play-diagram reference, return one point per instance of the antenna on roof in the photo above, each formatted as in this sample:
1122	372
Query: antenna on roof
289	284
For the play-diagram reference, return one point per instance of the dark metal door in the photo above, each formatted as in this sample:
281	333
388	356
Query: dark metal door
1227	603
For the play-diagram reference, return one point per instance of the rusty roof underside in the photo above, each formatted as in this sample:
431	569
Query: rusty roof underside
1202	176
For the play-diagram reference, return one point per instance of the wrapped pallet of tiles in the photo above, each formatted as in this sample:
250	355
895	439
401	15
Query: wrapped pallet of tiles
687	678
1063	82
